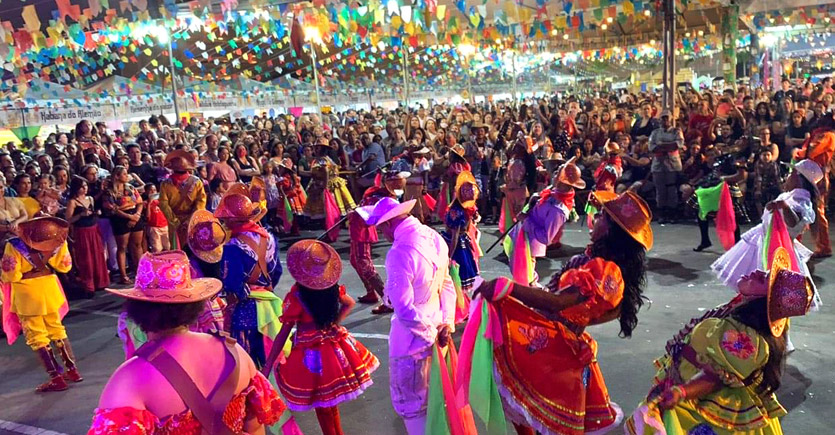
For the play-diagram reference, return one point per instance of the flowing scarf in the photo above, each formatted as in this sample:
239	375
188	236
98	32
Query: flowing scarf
332	215
445	414
777	236
518	252
476	384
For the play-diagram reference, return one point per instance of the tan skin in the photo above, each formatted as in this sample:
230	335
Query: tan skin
11	226
131	241
79	200
136	384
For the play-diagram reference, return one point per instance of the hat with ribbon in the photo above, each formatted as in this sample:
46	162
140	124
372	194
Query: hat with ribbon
789	293
571	175
165	277
314	264
632	214
45	234
180	160
206	236
384	210
466	189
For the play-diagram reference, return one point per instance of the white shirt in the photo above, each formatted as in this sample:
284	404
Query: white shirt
418	256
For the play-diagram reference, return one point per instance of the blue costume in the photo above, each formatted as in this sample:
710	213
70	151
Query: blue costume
462	251
250	268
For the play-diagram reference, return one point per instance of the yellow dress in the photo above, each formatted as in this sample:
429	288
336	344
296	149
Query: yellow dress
733	352
325	175
34	296
178	202
31	205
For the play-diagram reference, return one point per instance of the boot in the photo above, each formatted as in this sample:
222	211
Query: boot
56	381
703	230
67	355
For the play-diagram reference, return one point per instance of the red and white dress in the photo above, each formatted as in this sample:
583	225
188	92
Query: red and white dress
258	400
326	366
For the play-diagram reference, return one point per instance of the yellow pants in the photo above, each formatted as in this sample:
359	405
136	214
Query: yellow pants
40	330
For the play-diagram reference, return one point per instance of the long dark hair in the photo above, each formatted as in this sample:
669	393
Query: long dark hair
75	185
323	305
622	249
754	314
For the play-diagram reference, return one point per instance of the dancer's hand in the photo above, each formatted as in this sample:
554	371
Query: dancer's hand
444	335
669	399
486	290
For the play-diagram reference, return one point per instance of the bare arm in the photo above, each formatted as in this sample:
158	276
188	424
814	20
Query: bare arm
347	304
700	386
278	346
546	301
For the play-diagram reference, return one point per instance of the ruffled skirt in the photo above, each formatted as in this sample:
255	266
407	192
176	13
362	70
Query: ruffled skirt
325	368
746	257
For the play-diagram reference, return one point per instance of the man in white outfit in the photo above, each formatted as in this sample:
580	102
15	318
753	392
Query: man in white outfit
420	291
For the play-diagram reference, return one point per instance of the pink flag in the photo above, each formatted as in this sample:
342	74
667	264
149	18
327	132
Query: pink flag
332	215
726	219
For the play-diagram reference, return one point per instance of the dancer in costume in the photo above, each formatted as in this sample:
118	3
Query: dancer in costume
515	188
292	196
462	235
180	195
206	237
547	329
363	236
457	164
37	303
250	267
421	292
796	206
415	162
720	373
328	195
724	172
820	147
542	224
162	390
327	366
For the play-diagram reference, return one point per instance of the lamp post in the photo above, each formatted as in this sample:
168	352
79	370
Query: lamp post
312	35
467	50
406	76
167	36
513	65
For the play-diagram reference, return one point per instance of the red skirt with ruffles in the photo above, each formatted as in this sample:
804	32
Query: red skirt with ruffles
88	258
325	368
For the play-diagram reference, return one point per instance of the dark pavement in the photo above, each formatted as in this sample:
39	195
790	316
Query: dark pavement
679	284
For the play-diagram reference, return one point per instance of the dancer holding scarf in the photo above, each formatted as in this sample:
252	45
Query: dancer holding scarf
535	329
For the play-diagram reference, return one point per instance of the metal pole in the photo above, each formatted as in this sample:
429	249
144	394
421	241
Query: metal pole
668	42
406	76
513	65
316	79
173	79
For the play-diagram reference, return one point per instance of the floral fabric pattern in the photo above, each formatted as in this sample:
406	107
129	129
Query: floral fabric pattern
738	344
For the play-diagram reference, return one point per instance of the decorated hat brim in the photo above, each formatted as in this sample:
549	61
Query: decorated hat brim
200	290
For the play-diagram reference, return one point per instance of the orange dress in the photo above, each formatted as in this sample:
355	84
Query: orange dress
259	399
326	366
570	396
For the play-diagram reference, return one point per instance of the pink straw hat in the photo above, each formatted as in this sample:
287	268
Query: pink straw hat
165	277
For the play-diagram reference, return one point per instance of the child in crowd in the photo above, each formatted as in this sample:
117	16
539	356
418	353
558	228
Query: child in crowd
157	224
327	366
269	174
766	181
47	195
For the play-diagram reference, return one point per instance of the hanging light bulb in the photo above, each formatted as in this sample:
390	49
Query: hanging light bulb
647	12
604	26
565	36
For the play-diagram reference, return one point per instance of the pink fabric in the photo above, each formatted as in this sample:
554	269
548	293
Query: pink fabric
726	219
296	111
780	239
430	201
465	358
459	414
331	215
520	260
291	428
494	327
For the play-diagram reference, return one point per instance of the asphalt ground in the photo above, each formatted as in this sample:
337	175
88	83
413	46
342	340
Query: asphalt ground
679	284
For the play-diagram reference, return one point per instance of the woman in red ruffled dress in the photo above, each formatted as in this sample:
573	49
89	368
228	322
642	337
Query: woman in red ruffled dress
327	366
160	389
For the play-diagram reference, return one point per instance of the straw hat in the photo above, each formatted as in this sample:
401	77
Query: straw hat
477	125
598	197
466	189
789	293
632	214
809	170
314	264
180	160
418	149
256	191
287	163
611	148
459	150
238	207
165	277
206	236
45	234
571	175
384	210
395	180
